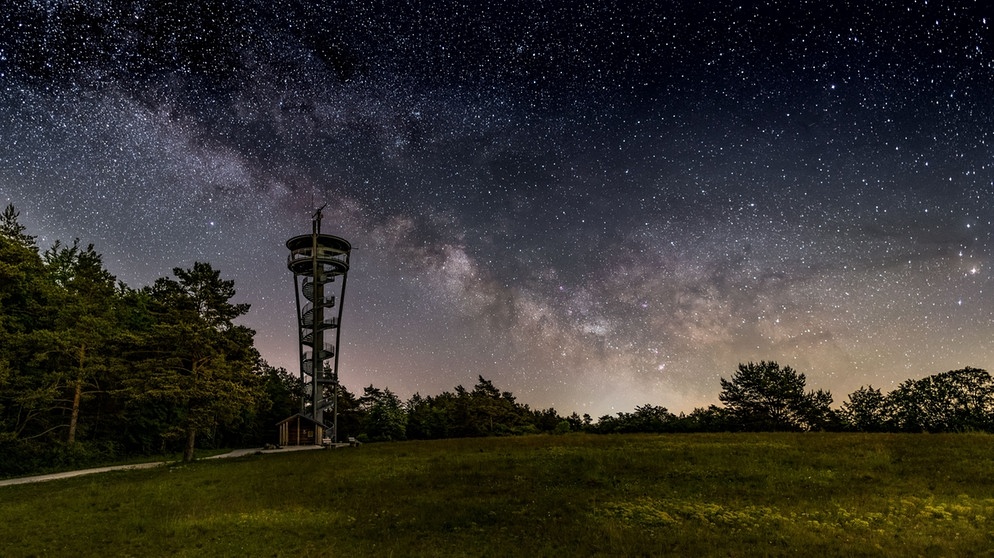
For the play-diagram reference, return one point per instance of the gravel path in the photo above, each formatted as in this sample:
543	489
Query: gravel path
68	474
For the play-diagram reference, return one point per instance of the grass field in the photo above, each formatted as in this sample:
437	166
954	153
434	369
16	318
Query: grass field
573	495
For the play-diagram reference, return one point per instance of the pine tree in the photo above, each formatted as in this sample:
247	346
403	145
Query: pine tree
80	340
199	360
25	395
13	230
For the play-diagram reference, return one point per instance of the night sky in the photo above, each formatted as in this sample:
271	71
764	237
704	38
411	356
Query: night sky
595	205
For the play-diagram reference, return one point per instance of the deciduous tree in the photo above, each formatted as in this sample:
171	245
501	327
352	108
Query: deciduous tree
864	411
765	396
952	401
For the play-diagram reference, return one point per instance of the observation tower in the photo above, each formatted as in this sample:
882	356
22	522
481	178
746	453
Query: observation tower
320	266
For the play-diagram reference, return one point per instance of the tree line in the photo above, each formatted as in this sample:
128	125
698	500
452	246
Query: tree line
93	370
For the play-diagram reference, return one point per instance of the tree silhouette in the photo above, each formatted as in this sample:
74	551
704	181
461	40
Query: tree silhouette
958	400
765	396
864	411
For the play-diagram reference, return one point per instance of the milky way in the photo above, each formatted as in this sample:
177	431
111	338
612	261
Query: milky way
594	205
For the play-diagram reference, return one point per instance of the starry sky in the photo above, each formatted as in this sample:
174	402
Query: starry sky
595	205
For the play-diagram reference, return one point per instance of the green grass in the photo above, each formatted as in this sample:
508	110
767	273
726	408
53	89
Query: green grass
575	495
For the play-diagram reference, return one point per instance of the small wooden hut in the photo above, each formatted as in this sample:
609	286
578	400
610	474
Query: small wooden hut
300	430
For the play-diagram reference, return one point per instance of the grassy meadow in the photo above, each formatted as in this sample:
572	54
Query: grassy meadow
572	495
